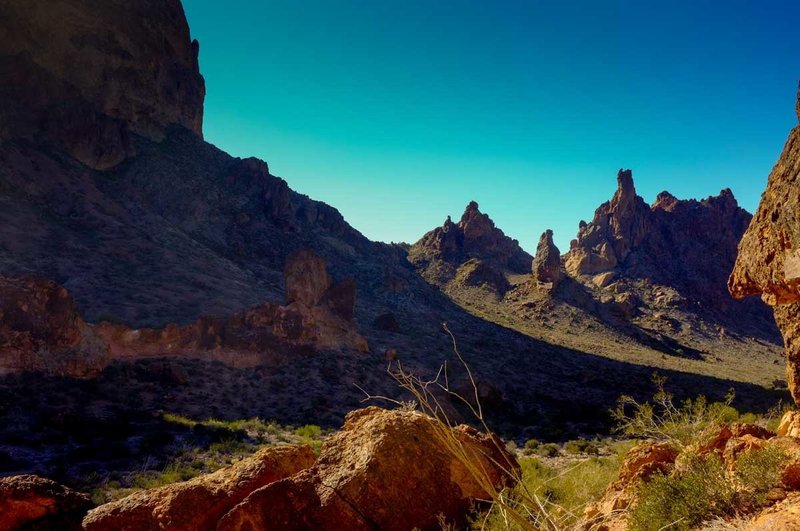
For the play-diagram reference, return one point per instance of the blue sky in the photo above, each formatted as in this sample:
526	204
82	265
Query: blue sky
399	112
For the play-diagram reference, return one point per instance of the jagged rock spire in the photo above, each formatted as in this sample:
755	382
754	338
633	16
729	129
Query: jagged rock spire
546	266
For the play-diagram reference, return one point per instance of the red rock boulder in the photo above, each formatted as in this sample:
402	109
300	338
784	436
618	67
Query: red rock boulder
31	502
197	504
387	470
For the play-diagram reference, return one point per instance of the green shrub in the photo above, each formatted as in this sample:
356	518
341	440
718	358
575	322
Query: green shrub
682	501
564	488
683	424
757	472
548	450
582	446
309	431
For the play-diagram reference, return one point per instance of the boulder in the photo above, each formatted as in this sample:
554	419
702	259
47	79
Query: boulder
641	462
784	516
386	470
546	266
387	322
32	502
198	504
790	425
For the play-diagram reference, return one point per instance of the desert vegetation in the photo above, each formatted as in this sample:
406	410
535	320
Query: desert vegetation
559	486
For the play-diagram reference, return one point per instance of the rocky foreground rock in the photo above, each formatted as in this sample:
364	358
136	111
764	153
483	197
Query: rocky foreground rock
32	503
41	330
392	470
198	504
768	263
388	470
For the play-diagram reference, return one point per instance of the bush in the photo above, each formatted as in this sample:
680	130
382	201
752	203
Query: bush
548	450
702	489
564	489
682	501
684	424
758	472
582	446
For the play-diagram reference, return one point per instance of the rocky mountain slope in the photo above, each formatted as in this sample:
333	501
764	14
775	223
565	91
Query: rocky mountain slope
42	331
108	189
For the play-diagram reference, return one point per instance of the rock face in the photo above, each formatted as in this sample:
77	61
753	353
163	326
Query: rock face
670	242
546	267
769	260
673	255
40	329
384	470
474	236
31	502
784	516
198	504
472	252
618	226
85	76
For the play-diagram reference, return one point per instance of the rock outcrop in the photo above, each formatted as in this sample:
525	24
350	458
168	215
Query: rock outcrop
546	266
198	504
641	462
784	516
673	256
40	329
475	236
618	226
768	262
472	252
32	502
384	470
85	76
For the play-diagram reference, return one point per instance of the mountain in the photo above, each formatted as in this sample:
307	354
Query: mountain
471	252
674	256
643	283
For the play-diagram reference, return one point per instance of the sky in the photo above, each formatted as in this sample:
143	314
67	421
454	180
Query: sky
399	112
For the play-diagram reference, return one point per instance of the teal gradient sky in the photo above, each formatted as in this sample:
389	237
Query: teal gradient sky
399	112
